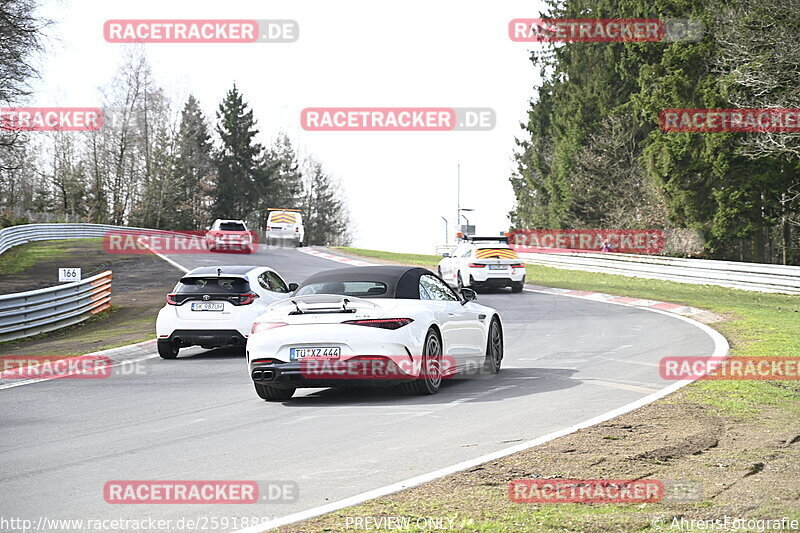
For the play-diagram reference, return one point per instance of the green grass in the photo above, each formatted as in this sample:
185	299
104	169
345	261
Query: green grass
409	259
25	256
759	324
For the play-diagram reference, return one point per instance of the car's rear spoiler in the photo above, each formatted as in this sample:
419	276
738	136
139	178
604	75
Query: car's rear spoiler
324	303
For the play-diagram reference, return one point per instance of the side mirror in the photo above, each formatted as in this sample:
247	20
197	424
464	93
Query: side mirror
293	287
445	254
468	295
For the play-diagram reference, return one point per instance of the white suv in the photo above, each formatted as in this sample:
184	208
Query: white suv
285	226
481	262
216	306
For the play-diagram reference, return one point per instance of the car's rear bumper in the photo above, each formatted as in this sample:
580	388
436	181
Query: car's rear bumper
206	337
497	277
345	374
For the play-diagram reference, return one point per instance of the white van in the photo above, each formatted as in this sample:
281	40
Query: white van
285	226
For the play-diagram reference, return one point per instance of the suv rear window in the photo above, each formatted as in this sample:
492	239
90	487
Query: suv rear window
213	285
359	289
231	226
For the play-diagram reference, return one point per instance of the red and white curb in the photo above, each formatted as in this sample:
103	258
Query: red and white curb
337	258
684	310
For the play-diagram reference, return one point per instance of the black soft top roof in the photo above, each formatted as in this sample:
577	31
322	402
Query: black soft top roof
401	281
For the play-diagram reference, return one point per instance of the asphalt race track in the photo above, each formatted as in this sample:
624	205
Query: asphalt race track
198	417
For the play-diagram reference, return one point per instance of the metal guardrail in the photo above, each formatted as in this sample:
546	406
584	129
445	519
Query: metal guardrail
748	276
29	313
16	235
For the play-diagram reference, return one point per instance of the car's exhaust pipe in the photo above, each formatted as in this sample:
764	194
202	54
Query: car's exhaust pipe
263	375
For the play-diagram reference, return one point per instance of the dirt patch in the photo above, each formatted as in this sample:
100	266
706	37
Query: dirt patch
681	444
140	284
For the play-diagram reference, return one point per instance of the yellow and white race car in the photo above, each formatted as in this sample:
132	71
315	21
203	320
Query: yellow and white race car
483	262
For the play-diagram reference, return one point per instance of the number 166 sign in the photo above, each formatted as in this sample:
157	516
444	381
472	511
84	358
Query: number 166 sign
69	274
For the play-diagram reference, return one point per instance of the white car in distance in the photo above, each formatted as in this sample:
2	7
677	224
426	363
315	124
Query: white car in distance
216	306
483	262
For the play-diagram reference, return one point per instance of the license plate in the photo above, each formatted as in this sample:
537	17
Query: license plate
317	353
207	306
497	267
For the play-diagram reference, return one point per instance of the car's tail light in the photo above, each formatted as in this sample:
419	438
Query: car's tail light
477	265
264	326
263	361
171	299
247	298
385	323
297	229
518	265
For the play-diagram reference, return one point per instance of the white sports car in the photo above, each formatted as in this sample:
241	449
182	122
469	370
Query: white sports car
216	306
382	325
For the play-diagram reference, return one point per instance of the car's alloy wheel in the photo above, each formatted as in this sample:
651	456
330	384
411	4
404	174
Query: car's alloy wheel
273	394
168	349
494	348
431	379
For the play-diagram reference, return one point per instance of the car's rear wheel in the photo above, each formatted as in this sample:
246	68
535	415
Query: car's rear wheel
431	379
273	394
459	282
517	286
168	349
494	348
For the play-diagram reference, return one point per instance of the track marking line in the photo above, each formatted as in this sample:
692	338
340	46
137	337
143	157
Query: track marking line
164	257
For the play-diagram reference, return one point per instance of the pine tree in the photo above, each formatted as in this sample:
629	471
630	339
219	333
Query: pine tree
240	168
194	173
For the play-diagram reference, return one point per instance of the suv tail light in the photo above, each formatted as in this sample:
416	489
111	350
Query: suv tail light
171	299
384	323
247	298
518	265
476	265
263	326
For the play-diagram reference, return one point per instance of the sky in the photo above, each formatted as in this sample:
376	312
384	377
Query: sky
355	53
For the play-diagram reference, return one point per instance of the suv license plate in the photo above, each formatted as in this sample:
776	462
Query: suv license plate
207	306
332	352
497	267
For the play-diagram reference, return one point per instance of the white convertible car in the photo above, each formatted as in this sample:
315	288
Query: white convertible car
382	325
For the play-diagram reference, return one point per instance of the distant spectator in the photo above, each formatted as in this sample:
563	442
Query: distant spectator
606	246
